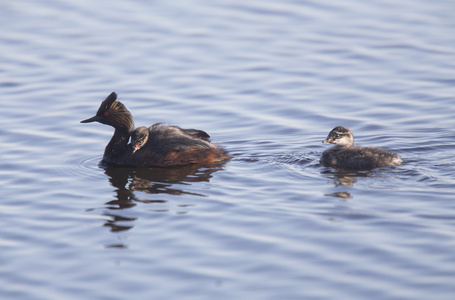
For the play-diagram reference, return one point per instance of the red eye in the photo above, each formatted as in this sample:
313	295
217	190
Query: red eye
106	114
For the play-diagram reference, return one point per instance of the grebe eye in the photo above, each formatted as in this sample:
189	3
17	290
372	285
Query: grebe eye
106	114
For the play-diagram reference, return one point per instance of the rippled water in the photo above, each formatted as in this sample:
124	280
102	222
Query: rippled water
268	80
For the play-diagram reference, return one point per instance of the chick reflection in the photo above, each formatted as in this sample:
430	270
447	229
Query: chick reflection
151	181
345	178
342	195
342	177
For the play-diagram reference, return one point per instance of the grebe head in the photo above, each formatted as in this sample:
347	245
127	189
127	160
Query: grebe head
114	113
341	136
139	138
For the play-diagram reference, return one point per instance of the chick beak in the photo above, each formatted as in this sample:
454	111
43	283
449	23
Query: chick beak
328	140
136	147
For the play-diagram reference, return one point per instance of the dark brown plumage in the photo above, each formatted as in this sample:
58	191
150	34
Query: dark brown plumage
157	146
345	155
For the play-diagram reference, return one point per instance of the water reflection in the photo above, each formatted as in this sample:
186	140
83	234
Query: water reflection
114	221
347	178
342	195
343	178
152	181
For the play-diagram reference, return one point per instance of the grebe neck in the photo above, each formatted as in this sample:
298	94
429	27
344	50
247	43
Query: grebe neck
117	146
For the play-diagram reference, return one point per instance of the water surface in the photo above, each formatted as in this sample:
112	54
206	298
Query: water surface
267	81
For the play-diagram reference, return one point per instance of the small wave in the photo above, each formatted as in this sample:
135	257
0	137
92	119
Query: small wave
296	158
81	167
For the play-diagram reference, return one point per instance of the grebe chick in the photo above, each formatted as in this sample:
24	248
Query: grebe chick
140	135
158	146
346	155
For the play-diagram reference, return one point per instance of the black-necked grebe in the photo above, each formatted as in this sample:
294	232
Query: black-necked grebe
159	146
140	135
346	155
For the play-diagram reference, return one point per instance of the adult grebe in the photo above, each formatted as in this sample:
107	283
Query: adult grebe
164	146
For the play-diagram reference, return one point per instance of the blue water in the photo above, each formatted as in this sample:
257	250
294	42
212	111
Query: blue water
267	80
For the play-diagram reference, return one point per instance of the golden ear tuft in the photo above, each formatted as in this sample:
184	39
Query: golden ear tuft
107	104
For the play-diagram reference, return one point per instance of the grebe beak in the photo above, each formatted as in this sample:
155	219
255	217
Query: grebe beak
328	140
92	119
137	147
